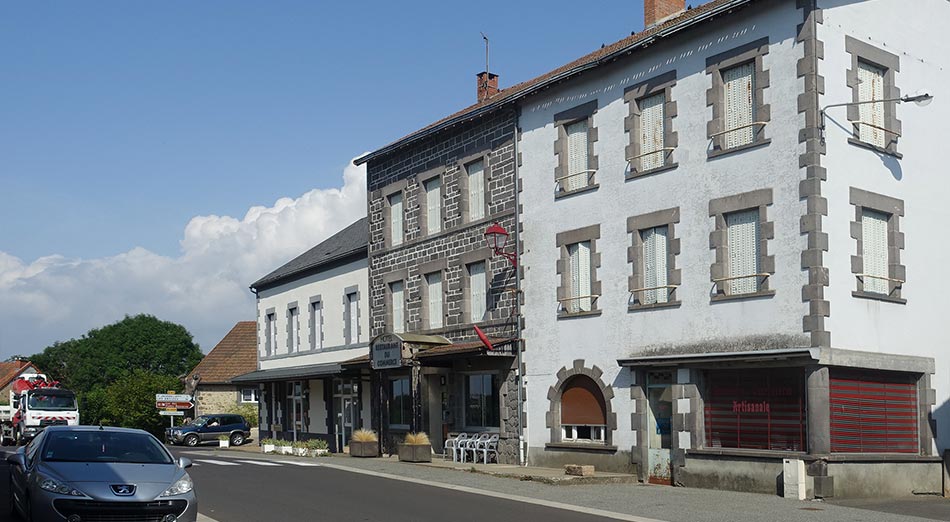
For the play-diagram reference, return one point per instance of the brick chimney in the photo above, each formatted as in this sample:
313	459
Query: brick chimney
656	11
487	85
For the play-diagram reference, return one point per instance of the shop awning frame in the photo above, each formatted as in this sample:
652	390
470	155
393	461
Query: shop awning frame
805	354
291	373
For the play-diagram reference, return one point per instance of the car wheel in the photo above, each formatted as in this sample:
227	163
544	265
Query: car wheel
191	440
237	439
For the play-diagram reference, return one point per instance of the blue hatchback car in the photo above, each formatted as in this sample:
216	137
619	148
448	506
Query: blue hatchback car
208	428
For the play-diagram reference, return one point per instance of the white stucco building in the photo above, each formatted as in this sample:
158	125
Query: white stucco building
712	281
312	316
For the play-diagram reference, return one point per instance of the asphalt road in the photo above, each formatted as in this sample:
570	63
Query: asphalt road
248	489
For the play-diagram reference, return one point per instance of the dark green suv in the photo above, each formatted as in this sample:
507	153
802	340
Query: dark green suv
210	427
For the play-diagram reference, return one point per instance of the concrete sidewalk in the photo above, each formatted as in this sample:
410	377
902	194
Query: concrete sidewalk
627	501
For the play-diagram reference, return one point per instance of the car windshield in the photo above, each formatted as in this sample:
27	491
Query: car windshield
50	401
200	421
104	446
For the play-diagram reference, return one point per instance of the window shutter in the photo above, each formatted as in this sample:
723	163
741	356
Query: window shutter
652	132
580	277
654	264
477	296
395	218
871	87
874	250
396	290
434	283
740	105
476	190
433	206
582	403
351	303
743	244
576	155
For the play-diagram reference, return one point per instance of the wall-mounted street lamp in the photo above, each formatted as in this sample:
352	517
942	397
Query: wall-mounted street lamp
922	98
497	238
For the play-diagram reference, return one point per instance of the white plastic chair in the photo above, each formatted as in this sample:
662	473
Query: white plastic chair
472	444
489	446
453	444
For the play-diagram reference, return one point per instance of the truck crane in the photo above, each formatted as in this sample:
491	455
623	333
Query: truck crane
35	403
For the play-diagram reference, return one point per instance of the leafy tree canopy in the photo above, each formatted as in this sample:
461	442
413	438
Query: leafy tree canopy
130	401
104	355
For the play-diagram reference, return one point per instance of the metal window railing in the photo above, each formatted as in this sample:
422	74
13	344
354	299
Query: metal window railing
740	127
872	276
878	127
589	172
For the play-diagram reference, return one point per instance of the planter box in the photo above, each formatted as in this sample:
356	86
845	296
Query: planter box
285	450
415	452
364	449
301	452
269	448
224	443
319	452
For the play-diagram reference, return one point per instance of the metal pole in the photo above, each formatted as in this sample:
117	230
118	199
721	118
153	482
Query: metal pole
522	458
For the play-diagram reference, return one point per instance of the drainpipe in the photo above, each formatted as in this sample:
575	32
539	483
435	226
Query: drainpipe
522	458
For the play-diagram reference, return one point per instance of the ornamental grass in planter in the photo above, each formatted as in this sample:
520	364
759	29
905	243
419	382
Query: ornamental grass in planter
415	448
364	443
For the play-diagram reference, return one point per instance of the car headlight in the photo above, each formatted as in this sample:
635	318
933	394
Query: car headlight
180	487
54	486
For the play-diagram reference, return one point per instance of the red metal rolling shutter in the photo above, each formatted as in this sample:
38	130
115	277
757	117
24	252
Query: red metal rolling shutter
873	412
757	408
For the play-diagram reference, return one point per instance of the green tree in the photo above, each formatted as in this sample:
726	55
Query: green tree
130	401
142	345
103	355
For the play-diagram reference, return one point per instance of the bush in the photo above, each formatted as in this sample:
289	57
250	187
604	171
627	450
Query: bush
316	444
246	410
269	442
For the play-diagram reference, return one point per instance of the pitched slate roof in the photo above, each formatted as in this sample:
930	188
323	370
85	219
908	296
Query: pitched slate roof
602	56
234	355
350	241
10	370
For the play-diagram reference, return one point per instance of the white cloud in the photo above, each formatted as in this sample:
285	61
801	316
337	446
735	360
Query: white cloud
205	288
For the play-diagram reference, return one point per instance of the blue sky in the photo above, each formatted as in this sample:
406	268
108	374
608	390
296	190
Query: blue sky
134	131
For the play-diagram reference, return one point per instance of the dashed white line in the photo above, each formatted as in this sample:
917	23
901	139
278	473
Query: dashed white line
259	462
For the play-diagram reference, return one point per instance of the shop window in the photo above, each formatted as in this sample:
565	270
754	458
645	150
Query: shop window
874	412
481	401
400	403
250	395
760	409
583	411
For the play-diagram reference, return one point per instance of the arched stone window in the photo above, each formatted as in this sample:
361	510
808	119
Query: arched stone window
583	411
580	409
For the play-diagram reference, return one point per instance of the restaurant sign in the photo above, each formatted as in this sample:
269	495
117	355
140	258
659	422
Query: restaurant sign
386	352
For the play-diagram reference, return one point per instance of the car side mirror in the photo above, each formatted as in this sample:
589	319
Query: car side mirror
17	459
184	462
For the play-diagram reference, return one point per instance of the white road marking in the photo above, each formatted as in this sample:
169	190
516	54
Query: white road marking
297	463
527	500
259	462
218	462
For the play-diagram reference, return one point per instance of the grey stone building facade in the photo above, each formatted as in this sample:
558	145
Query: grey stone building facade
433	278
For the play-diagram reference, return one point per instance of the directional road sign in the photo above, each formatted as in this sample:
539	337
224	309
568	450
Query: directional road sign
172	413
175	405
172	397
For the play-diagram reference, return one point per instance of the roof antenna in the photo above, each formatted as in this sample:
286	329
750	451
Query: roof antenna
487	70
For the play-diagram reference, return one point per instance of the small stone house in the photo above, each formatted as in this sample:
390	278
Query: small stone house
210	381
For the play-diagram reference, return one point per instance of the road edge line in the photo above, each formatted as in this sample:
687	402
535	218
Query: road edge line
488	493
